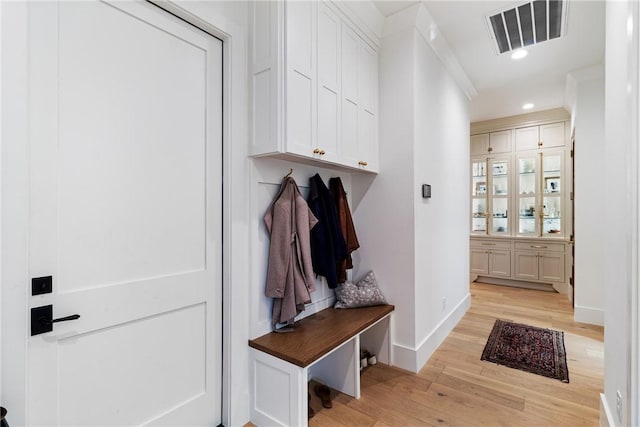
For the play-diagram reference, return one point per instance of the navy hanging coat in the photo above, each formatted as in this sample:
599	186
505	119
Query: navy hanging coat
328	248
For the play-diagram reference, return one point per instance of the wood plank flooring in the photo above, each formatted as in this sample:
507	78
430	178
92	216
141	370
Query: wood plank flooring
456	388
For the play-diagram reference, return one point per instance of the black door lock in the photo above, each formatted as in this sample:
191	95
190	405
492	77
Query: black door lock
42	319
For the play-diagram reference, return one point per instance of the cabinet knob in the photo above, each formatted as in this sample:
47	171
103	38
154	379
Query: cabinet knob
316	151
490	149
539	143
362	163
322	152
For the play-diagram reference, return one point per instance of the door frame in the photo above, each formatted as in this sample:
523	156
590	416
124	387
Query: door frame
14	133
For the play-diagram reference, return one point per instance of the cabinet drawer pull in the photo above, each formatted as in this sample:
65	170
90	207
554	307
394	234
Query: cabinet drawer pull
316	151
538	246
362	163
488	244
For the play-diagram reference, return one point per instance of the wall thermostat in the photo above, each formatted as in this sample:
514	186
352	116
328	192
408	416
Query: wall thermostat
426	191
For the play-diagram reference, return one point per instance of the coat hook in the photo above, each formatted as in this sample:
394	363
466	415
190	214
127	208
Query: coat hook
289	174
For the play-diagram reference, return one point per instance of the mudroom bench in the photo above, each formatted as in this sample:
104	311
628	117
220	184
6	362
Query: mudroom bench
325	347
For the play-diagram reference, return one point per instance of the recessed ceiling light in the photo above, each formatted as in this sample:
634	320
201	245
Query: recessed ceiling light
519	54
527	106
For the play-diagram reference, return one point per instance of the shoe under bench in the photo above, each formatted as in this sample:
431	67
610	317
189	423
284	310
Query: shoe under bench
324	347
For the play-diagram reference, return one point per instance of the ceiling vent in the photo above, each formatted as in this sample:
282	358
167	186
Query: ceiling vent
528	24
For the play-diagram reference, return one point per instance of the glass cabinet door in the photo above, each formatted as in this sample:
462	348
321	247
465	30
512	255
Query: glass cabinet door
479	208
499	194
540	186
552	193
527	195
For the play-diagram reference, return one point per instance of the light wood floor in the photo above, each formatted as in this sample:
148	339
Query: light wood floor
456	388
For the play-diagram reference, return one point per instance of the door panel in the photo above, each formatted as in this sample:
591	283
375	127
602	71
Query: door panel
527	138
526	265
479	261
125	214
552	267
500	263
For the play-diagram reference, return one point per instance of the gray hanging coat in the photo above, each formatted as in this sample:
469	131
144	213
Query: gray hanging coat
290	273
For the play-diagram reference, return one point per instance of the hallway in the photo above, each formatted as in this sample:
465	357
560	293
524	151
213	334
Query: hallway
456	388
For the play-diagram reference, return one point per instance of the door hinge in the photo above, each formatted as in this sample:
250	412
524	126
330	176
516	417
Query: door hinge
571	195
571	153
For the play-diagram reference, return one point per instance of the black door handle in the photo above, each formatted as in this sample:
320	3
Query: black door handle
64	319
42	319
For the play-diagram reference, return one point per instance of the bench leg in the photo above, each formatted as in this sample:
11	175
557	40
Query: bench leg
279	388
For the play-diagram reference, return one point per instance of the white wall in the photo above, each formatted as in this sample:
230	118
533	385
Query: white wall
417	247
441	148
589	283
383	211
620	166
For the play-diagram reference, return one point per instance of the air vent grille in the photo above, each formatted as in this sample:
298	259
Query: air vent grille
528	24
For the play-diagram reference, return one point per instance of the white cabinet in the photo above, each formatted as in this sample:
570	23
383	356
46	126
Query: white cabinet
491	143
300	80
543	136
314	85
328	83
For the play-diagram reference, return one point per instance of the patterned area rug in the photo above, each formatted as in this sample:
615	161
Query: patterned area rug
528	348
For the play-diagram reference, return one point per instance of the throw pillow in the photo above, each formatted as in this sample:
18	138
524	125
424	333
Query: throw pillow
361	294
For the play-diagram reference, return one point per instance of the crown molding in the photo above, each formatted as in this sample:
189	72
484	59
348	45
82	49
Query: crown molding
418	17
521	120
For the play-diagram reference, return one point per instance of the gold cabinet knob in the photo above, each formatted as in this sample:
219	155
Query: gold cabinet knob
539	143
362	163
316	151
322	152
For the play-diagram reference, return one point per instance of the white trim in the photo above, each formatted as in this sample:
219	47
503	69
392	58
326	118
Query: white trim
606	417
413	359
13	170
235	376
364	16
633	387
591	315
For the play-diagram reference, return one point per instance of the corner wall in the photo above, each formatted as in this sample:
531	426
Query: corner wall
589	281
441	154
418	248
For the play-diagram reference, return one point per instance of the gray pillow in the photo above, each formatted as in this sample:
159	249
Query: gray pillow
362	294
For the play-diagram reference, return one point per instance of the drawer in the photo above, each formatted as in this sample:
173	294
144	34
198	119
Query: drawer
491	244
540	246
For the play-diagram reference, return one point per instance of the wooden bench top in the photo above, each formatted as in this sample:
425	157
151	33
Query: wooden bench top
318	334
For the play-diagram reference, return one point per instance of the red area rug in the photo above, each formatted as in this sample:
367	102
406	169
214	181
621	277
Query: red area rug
528	348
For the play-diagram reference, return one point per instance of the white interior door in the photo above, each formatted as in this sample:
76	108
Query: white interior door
125	215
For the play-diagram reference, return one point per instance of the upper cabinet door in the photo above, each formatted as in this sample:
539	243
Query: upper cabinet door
349	113
368	106
552	135
300	104
479	144
527	138
328	83
500	142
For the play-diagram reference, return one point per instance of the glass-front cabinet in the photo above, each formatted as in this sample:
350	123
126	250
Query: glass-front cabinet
479	196
539	200
490	184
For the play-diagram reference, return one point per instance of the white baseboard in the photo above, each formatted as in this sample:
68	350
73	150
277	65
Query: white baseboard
413	359
593	316
606	417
